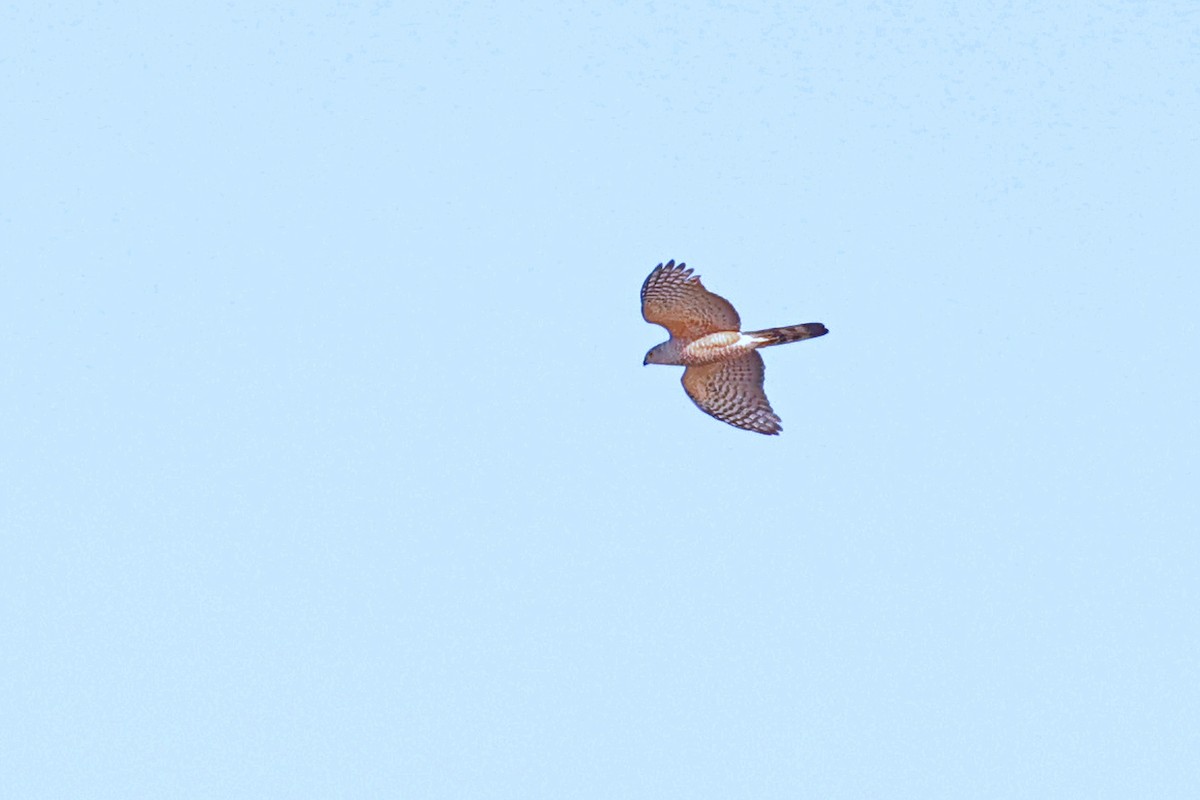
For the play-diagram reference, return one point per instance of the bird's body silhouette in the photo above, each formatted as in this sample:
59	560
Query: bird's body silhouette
724	375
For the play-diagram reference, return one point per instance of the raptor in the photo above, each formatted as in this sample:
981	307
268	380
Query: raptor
724	375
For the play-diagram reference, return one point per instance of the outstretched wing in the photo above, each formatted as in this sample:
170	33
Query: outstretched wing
674	298
732	391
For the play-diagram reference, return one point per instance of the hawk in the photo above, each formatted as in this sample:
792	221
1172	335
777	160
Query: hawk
724	374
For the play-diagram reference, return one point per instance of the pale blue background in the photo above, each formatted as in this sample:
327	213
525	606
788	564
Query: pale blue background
330	467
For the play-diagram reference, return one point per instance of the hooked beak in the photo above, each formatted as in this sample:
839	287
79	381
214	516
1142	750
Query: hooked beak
645	361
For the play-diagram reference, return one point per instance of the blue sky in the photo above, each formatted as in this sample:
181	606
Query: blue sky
330	467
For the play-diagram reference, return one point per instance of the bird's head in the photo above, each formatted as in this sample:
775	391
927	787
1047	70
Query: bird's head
656	355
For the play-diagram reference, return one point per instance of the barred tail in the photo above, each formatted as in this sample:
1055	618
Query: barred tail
790	333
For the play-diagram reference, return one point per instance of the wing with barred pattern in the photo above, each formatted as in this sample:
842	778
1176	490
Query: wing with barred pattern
732	391
674	298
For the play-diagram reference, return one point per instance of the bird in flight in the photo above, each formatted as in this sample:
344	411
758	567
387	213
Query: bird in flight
724	374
